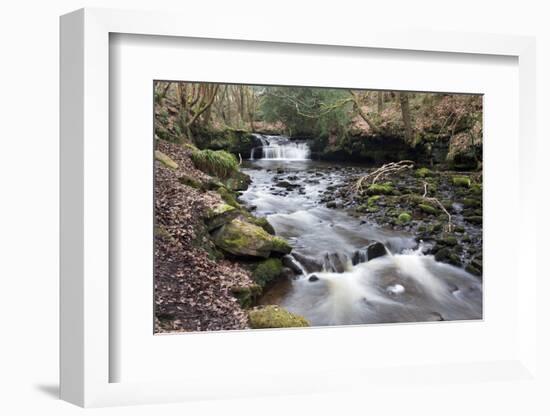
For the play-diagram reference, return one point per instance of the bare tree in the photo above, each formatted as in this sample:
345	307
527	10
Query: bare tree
406	113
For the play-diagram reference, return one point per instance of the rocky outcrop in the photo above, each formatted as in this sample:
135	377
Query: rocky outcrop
273	316
243	239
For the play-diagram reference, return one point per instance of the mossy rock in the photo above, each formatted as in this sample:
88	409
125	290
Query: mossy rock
219	215
446	255
471	202
228	197
273	316
476	189
404	218
189	181
373	200
462	181
264	223
267	271
380	189
243	239
165	160
247	295
474	219
215	162
238	181
447	240
423	173
428	209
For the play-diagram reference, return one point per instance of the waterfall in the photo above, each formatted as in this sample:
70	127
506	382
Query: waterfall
281	148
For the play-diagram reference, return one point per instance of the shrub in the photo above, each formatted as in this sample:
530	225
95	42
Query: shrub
215	162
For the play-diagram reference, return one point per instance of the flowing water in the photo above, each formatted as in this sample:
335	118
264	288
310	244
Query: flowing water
335	282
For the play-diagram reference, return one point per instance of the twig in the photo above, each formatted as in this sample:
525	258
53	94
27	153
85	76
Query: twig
434	200
383	172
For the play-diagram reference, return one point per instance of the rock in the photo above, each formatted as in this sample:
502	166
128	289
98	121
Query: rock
165	160
380	189
470	268
332	262
243	239
359	256
404	218
246	295
423	173
219	215
286	185
189	181
313	278
267	271
472	203
375	250
310	265
474	219
288	261
462	181
428	209
264	223
228	197
331	204
447	240
238	181
273	316
446	255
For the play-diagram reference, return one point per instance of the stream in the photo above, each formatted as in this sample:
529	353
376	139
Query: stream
335	282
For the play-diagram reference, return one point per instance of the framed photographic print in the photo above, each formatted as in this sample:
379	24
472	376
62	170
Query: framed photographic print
279	214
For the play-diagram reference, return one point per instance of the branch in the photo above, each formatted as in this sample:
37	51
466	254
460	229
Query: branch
364	116
434	200
384	171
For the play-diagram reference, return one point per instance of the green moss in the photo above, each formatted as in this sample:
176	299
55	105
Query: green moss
273	316
404	218
215	162
228	197
243	239
462	181
380	189
280	245
264	223
246	295
428	209
165	160
373	199
472	202
221	214
476	189
189	181
474	219
423	173
267	270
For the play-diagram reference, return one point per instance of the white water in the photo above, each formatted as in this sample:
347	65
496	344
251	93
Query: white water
281	148
405	286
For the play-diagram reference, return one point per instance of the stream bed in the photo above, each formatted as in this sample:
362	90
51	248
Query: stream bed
334	281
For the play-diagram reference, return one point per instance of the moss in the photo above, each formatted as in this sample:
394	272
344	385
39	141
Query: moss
404	218
215	162
380	189
273	316
373	200
428	209
243	239
280	245
474	219
264	223
238	181
228	197
189	181
447	240
165	160
221	214
472	202
462	181
267	270
423	173
476	189
246	295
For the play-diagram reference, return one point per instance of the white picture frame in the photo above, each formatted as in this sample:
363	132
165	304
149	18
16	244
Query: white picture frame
86	356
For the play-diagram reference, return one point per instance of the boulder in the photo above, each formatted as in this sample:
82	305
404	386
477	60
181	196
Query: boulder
267	270
243	239
165	160
219	215
375	250
273	316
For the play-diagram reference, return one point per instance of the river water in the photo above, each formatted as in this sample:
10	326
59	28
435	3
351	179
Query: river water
336	283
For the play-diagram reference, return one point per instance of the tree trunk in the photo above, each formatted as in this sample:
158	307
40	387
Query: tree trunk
406	113
380	101
357	104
